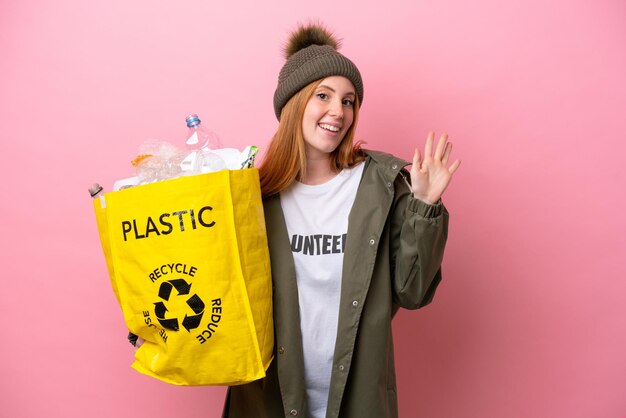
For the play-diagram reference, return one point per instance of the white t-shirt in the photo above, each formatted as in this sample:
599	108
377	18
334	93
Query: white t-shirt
317	223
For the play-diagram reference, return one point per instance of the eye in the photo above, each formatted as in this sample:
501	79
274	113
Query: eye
348	102
322	96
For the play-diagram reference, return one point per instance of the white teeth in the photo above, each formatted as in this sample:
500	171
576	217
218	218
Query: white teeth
329	127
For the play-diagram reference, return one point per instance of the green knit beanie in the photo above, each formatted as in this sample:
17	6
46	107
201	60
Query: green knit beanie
312	55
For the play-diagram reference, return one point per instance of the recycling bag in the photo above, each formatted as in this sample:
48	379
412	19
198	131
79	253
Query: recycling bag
189	264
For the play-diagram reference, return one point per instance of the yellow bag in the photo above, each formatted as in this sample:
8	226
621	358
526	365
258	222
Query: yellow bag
189	264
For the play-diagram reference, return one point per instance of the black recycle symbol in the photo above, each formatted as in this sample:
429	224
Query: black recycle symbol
194	302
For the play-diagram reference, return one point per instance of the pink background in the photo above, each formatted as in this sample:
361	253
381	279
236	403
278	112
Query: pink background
529	321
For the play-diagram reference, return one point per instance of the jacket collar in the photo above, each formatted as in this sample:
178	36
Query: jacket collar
388	165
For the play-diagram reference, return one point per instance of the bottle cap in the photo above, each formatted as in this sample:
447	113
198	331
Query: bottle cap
192	120
95	189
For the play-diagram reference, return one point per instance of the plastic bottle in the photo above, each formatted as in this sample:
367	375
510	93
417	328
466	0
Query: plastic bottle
97	192
200	143
199	137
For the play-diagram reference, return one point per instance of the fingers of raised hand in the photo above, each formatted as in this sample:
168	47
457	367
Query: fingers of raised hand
442	153
454	166
417	160
441	146
428	148
441	157
446	153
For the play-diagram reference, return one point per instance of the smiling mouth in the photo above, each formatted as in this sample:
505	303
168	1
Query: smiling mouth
328	127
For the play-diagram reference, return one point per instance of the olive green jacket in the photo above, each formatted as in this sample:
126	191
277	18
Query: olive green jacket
392	259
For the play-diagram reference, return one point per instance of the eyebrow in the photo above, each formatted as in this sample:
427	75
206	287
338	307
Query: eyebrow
333	90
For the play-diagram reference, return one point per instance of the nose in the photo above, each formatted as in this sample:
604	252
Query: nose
336	109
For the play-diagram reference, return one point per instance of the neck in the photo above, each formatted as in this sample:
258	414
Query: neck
318	171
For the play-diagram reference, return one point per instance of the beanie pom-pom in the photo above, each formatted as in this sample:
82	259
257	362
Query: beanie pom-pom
310	34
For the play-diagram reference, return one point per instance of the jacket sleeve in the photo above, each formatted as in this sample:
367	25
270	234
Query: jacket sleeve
418	238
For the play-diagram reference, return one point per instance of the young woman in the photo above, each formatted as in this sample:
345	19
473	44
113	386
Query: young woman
352	236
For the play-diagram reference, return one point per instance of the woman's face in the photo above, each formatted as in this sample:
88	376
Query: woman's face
327	116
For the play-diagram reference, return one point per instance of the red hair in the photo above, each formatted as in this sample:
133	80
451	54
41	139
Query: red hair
285	159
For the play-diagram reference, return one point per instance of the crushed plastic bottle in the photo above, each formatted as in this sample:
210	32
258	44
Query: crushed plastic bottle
199	137
201	143
158	160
